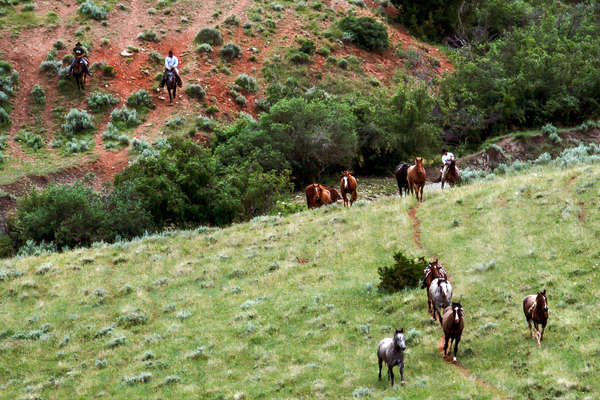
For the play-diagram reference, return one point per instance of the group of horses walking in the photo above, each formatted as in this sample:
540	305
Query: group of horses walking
412	178
452	319
318	195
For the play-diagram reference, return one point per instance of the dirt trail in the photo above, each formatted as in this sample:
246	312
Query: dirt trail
412	212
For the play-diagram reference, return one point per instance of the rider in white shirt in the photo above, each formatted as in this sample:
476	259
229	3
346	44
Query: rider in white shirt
171	64
447	157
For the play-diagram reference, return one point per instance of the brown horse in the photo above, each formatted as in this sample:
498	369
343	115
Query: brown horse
333	194
452	176
80	71
402	179
535	308
318	195
434	270
417	176
453	323
348	186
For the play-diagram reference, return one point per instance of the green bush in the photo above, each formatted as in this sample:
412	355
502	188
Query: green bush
76	122
124	117
140	99
148	35
299	58
100	101
4	116
77	146
232	20
38	95
91	10
50	67
6	246
366	32
209	35
307	46
405	273
247	82
195	91
342	63
323	51
204	48
230	52
31	140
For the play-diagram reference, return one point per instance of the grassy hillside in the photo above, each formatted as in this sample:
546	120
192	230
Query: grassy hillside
288	307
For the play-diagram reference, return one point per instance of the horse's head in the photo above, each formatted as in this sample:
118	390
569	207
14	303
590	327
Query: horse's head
317	191
399	341
458	311
419	161
541	301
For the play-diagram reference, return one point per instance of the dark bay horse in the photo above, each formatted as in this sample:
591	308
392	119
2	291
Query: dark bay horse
348	186
391	350
535	308
80	71
318	195
402	179
434	270
453	323
452	176
171	82
417	178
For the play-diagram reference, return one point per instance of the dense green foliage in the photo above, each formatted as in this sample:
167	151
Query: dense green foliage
405	273
366	32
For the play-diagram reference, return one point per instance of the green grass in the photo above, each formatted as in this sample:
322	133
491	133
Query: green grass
232	310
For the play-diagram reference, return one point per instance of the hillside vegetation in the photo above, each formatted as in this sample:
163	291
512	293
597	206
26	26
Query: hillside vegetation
287	307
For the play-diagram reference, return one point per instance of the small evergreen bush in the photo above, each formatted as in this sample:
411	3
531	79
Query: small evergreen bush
299	58
126	116
209	35
232	20
31	140
77	146
195	91
141	98
154	57
50	67
76	122
91	10
230	52
247	82
148	35
404	273
38	95
366	32
204	48
99	101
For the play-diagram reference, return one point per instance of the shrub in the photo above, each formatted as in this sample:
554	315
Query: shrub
210	36
366	32
31	140
342	63
230	52
4	117
50	67
307	46
109	71
323	51
77	121
277	7
6	246
247	82
404	273
240	100
154	57
38	95
98	101
205	123
195	91
91	10
204	48
141	98
232	20
126	116
552	133
110	133
299	58
77	146
59	45
148	35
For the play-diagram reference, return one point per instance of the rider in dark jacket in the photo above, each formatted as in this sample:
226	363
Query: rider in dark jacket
79	53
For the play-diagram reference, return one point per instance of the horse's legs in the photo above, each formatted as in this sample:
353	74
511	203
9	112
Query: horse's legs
401	366
537	333
446	338
422	187
456	347
380	363
391	371
353	197
530	328
542	334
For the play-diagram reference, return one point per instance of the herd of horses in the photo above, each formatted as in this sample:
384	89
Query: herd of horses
452	320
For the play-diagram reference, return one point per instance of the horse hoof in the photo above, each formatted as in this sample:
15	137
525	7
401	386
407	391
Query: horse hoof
402	383
454	360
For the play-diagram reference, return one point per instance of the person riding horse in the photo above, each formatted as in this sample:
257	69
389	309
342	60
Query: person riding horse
80	55
447	159
171	63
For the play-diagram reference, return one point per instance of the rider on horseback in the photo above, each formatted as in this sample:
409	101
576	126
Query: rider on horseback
171	63
80	55
447	159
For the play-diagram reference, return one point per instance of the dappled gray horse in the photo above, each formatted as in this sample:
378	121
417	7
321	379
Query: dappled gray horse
440	292
391	350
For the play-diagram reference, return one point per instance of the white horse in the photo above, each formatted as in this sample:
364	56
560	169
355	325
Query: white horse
391	350
440	292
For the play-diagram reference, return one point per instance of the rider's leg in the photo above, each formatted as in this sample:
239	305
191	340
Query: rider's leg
72	64
163	81
179	82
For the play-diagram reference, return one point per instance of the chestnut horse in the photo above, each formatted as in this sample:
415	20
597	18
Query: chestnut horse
452	176
318	195
453	323
535	308
434	270
348	185
417	176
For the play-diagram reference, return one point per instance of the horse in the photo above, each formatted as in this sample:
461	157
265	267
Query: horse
440	291
80	71
171	82
434	270
348	185
401	178
318	195
416	177
333	194
452	176
535	308
391	350
453	323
